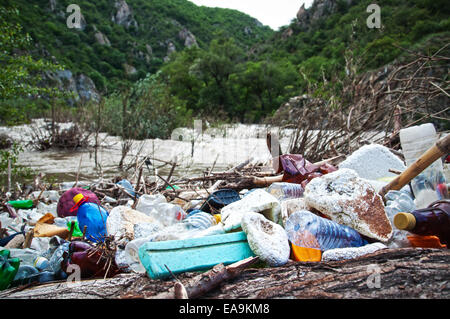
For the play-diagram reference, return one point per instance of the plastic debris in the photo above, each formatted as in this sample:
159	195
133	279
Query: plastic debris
351	252
267	240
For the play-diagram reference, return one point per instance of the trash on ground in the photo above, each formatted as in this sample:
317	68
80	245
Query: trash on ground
313	212
349	200
267	240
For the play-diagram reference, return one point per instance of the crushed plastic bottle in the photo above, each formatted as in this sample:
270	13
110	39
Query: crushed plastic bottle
192	226
283	191
157	207
308	230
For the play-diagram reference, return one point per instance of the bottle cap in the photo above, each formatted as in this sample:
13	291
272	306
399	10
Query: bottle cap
218	218
405	221
77	198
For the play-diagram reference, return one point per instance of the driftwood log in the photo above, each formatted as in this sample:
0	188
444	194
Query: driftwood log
385	274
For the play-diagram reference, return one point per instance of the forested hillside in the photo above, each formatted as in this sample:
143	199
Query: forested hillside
121	41
171	60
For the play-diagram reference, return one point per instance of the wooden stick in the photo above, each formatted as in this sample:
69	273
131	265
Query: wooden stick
72	228
11	211
209	280
267	181
9	174
441	148
28	239
84	232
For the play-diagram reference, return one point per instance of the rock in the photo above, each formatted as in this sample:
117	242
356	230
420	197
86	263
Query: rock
351	252
129	69
373	162
318	10
258	201
171	48
188	38
149	49
52	5
350	201
102	39
86	88
123	15
267	240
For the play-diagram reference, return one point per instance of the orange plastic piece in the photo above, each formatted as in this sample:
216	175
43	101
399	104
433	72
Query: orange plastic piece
425	241
306	254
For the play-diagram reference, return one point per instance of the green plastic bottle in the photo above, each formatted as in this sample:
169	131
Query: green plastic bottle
8	269
21	204
76	230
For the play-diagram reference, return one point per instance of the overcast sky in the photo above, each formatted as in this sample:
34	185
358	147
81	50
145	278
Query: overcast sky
274	13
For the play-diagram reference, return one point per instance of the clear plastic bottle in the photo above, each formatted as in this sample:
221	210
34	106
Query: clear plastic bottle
157	207
284	191
305	229
415	141
397	202
27	256
192	226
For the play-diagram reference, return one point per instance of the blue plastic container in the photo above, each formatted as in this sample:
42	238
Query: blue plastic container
94	217
194	254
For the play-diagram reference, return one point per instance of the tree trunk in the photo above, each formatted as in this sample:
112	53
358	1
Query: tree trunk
389	273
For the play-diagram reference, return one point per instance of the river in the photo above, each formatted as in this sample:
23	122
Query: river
225	146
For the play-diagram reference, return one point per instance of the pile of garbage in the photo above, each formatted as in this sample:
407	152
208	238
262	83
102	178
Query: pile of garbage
314	213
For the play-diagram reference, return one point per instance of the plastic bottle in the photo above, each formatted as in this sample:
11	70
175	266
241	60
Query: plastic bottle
308	230
26	256
397	202
415	141
431	221
157	207
93	216
193	225
41	263
28	274
284	191
8	268
21	204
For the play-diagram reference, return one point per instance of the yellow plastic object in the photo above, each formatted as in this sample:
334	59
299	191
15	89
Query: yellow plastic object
425	242
77	198
306	254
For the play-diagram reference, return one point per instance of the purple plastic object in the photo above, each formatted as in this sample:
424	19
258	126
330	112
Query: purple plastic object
66	202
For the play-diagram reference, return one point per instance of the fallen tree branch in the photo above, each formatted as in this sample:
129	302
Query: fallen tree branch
403	273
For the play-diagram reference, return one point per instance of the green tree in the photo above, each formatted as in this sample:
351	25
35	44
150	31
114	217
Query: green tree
21	73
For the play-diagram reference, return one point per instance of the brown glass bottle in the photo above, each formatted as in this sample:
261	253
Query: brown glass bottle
431	221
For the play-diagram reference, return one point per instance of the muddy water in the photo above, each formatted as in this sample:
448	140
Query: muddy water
194	150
